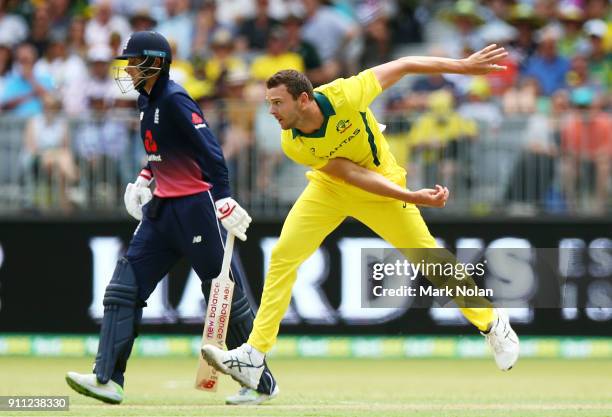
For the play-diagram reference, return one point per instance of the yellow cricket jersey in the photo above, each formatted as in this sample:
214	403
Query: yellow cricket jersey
349	130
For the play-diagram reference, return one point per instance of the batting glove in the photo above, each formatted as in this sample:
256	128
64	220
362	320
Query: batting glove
234	218
137	194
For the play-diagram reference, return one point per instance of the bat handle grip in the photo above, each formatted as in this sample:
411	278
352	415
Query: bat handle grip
227	254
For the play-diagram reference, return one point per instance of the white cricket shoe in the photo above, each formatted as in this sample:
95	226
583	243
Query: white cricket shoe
88	384
243	364
248	396
503	340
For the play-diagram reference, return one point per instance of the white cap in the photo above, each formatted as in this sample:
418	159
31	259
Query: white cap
100	53
498	31
596	27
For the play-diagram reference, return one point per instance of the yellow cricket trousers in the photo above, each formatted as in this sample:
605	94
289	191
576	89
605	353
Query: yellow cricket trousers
323	205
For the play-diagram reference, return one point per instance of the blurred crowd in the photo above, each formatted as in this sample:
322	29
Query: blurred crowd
56	72
553	102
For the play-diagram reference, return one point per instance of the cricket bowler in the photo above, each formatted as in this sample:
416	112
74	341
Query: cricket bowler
192	195
332	130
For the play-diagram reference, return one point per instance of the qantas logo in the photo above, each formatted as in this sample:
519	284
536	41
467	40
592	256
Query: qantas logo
343	126
197	120
340	145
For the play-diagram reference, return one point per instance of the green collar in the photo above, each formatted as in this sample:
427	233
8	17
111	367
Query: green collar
327	110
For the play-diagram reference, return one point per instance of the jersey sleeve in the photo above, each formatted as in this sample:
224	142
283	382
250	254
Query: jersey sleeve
360	90
190	123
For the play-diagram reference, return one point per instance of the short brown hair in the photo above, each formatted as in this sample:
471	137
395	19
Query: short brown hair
296	83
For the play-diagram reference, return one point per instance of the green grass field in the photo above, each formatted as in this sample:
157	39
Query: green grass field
326	387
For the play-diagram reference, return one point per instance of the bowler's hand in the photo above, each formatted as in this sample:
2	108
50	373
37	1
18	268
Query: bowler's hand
485	61
430	197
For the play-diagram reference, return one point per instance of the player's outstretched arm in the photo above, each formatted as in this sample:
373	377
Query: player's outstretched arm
482	62
376	183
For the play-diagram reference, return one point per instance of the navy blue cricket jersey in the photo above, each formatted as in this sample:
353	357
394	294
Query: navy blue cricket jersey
184	156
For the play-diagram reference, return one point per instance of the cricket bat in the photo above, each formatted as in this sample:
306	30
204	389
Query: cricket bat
217	318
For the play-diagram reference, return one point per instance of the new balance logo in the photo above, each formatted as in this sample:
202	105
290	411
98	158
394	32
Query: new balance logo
197	239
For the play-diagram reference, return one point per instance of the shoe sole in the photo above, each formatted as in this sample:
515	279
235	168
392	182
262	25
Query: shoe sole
211	361
262	399
84	391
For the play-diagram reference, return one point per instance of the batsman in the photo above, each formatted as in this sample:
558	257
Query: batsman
181	218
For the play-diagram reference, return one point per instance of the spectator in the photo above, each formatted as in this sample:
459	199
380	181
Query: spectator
114	42
41	26
546	9
417	99
229	12
24	88
206	25
183	72
76	37
142	20
97	81
498	10
68	71
586	142
222	61
47	148
439	141
122	111
546	66
524	19
522	98
98	30
599	60
102	144
59	13
238	116
597	9
254	32
13	29
571	17
407	23
579	75
315	71
501	34
6	63
533	176
268	150
377	37
178	26
276	58
465	17
479	106
329	32
601	10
